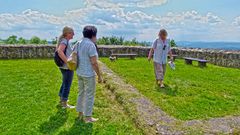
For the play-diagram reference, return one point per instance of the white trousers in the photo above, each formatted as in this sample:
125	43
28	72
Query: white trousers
85	101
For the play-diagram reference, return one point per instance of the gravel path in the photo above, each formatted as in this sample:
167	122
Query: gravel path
155	121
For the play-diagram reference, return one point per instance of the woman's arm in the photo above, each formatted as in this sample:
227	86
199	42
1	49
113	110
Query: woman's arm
154	45
150	54
61	54
96	68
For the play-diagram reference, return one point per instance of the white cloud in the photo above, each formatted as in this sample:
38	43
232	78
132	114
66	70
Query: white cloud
124	3
236	21
112	18
150	3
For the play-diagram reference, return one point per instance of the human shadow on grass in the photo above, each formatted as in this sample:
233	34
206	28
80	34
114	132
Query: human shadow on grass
171	91
55	122
79	128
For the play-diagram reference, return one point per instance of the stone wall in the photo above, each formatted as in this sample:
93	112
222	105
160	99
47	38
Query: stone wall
217	57
26	51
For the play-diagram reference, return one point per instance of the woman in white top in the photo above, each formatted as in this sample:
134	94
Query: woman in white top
160	50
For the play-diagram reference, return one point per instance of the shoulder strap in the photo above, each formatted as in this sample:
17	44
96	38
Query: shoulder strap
66	47
76	46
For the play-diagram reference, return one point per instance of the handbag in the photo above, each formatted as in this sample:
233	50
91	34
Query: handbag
72	61
58	61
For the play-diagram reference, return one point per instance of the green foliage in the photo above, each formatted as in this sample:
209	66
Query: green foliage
22	41
54	41
172	43
29	98
11	40
44	41
1	41
119	41
35	40
191	92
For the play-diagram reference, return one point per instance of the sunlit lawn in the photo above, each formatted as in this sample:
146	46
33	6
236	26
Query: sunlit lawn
29	98
191	92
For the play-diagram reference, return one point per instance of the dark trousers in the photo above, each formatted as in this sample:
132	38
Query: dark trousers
67	77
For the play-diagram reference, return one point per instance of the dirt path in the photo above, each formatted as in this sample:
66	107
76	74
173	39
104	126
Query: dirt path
155	121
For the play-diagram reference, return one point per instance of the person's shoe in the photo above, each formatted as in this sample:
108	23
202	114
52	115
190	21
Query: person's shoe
66	105
90	120
162	86
60	101
158	83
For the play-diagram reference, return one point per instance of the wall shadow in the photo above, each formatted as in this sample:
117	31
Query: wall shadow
55	122
79	128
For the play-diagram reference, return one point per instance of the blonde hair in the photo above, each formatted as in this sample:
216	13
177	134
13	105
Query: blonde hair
163	32
65	31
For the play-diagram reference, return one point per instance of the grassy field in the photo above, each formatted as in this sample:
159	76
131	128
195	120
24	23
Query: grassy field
191	92
29	99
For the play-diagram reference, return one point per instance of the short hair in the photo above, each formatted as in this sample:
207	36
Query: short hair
163	32
89	32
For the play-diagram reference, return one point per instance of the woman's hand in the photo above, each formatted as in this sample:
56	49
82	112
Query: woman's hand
149	59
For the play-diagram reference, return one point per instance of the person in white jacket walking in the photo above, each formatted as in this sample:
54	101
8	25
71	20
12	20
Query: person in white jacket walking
160	50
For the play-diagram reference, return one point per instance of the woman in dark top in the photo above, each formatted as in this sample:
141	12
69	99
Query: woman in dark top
64	51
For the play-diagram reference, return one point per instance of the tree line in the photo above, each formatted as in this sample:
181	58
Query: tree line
113	40
121	41
15	40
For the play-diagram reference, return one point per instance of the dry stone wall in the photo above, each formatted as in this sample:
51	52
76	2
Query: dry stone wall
217	57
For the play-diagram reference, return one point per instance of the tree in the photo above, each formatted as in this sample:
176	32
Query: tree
22	41
172	43
113	40
121	40
54	41
35	40
103	41
11	40
44	41
134	41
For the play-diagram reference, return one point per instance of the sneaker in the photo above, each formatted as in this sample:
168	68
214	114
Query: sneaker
158	83
60	102
90	120
68	106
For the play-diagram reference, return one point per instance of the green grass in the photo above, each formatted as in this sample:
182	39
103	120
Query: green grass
191	92
29	98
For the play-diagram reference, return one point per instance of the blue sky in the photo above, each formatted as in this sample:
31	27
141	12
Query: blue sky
191	20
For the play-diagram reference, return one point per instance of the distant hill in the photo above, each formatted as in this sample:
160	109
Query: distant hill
211	45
